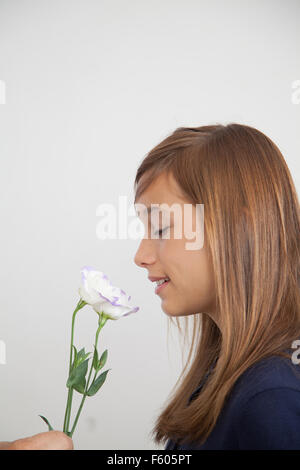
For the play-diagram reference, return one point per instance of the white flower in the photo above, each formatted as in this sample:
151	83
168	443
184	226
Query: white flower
97	290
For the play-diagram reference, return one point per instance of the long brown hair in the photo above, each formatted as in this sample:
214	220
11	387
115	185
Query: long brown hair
252	226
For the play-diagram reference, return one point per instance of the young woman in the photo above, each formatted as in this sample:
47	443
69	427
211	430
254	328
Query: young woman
241	390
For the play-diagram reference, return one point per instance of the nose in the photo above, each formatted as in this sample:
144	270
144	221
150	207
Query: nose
145	254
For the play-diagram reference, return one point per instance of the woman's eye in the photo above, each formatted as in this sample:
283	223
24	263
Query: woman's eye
160	231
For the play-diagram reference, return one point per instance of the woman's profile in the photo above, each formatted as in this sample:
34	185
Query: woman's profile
240	387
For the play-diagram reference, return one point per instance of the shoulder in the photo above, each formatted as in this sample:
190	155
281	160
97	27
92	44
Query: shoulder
268	373
266	405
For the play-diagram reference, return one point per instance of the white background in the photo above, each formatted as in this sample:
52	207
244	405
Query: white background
91	87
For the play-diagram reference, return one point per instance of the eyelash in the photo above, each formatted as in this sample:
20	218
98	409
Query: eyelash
161	230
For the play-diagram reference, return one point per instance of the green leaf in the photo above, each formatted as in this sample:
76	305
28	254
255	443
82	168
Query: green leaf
103	360
97	384
81	353
80	386
75	357
50	428
95	361
77	374
84	357
81	357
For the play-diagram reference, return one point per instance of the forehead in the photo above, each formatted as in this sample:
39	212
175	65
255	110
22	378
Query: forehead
163	189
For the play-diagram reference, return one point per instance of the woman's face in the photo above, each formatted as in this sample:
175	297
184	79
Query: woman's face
191	287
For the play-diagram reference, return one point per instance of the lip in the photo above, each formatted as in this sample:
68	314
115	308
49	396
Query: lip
159	288
154	278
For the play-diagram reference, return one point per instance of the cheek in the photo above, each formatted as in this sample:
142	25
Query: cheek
197	272
171	260
176	262
167	251
190	270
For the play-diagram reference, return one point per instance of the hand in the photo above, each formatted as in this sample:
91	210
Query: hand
50	440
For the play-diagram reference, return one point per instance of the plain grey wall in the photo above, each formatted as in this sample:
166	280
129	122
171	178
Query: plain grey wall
91	87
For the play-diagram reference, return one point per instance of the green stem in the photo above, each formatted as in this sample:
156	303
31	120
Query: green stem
102	320
68	410
79	305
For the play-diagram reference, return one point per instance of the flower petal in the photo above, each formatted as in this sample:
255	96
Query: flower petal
97	290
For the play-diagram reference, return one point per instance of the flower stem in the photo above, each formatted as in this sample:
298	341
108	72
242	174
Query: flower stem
102	320
79	305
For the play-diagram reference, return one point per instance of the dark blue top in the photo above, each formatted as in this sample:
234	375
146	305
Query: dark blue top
262	410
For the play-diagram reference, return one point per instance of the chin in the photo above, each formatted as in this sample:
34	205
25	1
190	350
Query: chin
172	312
